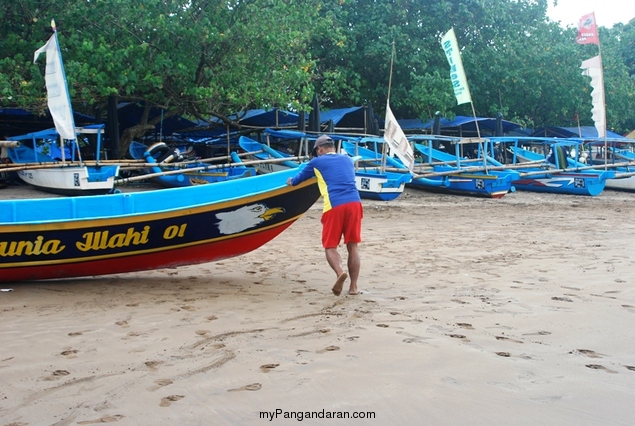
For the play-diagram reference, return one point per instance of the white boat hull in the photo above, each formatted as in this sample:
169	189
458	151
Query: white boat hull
624	184
73	180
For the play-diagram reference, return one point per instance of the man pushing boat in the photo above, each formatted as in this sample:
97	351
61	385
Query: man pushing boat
343	210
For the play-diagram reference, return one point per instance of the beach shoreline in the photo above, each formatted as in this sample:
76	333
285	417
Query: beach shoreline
474	311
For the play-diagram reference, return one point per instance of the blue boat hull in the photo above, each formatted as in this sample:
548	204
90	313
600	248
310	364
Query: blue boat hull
573	183
382	186
135	231
493	184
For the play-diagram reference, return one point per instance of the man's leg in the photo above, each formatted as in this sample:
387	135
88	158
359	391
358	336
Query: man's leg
335	262
354	265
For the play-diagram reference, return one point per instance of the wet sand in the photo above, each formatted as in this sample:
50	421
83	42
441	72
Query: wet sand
475	311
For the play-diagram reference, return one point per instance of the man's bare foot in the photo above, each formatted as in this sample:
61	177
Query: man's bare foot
354	292
339	284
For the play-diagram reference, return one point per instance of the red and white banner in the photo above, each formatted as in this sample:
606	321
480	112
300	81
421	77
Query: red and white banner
588	30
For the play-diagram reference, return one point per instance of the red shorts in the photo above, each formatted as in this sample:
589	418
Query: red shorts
344	220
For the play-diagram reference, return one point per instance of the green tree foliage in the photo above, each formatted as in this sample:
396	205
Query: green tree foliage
207	58
203	57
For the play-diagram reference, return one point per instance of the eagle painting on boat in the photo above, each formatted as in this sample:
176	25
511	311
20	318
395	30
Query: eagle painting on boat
246	217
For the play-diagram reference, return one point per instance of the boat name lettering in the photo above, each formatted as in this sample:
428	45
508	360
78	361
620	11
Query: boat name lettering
174	231
30	248
101	240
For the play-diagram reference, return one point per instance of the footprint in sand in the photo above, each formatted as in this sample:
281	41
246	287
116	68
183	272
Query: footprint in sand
600	367
562	299
251	387
538	333
123	323
465	325
328	349
55	375
70	353
168	400
160	383
153	365
629	307
105	419
587	352
458	336
509	339
265	368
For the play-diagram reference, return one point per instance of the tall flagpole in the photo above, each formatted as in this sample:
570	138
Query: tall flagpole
384	148
394	136
392	60
588	34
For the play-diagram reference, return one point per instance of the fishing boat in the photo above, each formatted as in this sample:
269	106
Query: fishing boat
181	170
65	237
549	167
39	162
372	179
615	154
461	175
260	151
54	174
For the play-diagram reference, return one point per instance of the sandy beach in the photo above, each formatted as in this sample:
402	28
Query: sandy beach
517	311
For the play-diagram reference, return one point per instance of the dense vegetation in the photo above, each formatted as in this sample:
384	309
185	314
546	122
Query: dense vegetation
210	58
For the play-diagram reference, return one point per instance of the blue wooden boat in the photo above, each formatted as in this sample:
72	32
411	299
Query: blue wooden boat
46	171
553	169
463	176
135	231
372	180
41	163
190	173
261	151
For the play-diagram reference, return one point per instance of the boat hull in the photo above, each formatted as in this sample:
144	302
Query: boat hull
492	185
375	185
146	230
571	183
43	168
197	173
72	180
623	184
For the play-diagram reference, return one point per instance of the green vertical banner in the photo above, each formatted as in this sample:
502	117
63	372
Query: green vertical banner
457	73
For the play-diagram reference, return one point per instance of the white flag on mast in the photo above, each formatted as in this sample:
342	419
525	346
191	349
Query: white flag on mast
396	139
457	73
56	88
593	68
